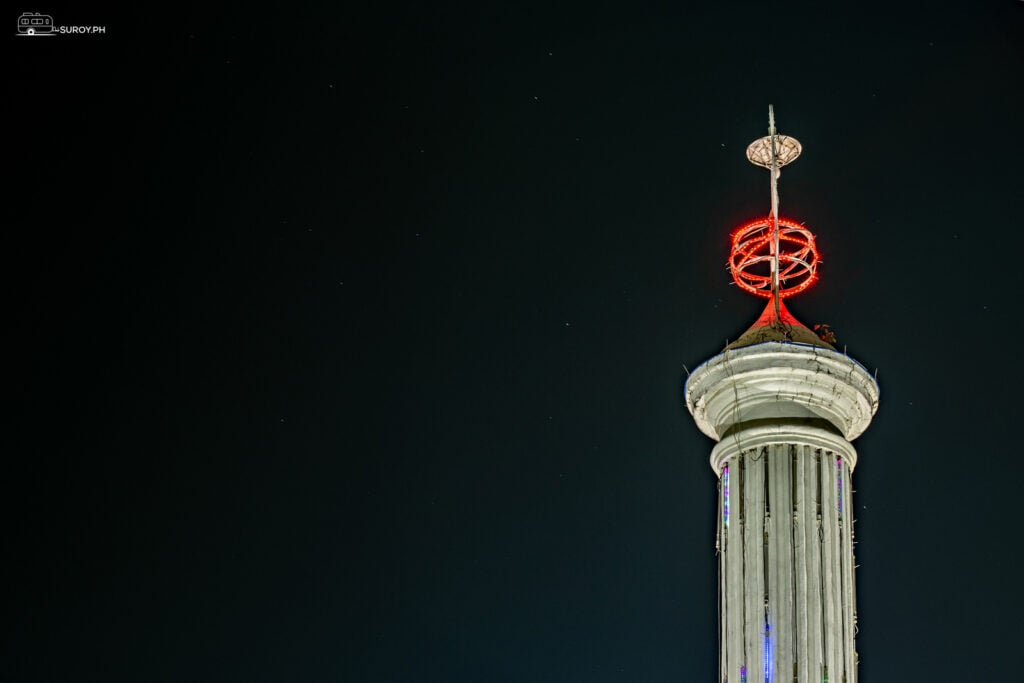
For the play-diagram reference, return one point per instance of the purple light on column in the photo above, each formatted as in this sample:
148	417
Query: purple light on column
725	496
839	486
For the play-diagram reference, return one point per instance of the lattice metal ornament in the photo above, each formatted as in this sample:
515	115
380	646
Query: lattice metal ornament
751	258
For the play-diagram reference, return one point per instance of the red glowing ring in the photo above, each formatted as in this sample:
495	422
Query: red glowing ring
751	257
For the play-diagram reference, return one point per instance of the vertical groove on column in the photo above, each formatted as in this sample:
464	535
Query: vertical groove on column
853	562
815	581
838	577
781	545
734	568
723	606
826	561
770	573
753	558
794	635
804	516
772	549
849	597
831	566
836	474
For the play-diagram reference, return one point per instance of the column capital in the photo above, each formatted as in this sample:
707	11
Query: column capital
779	380
796	432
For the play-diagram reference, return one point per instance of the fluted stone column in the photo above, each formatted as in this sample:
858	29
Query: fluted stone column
784	414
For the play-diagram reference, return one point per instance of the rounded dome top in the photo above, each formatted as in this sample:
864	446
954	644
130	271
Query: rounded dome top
784	328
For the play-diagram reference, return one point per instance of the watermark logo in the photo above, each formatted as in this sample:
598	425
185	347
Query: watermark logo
36	24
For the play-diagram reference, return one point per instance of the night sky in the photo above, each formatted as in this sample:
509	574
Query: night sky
347	343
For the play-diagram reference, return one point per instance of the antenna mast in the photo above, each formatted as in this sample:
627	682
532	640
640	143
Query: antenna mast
775	209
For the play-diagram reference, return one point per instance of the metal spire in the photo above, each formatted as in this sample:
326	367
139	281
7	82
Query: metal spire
773	152
775	209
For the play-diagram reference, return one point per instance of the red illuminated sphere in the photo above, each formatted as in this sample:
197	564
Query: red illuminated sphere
751	257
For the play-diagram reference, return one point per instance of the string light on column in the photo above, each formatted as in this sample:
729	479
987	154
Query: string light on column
839	487
725	496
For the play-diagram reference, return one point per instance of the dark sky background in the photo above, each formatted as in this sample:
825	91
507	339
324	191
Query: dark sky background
347	343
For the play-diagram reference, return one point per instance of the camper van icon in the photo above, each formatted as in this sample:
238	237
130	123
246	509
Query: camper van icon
35	24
